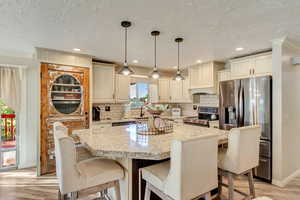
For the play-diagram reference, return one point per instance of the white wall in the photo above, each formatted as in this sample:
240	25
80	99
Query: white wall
286	107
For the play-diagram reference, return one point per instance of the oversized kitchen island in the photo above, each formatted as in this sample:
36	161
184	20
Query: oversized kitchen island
134	151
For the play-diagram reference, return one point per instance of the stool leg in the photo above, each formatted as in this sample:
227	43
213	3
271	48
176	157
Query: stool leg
147	192
230	186
220	185
208	196
117	191
251	184
61	196
73	196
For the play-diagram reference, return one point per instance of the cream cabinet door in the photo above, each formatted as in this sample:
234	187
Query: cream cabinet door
164	90
122	88
206	73
176	91
186	95
153	93
103	83
263	65
241	69
224	75
195	76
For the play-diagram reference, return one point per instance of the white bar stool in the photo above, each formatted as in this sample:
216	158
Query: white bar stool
191	172
84	177
241	157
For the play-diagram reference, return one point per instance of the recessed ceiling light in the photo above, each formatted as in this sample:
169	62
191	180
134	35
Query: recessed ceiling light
239	49
135	61
199	61
76	49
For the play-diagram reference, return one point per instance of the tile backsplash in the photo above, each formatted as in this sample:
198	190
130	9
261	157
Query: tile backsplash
209	100
119	111
116	111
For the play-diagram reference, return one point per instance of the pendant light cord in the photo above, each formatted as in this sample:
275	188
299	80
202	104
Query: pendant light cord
126	45
178	58
155	67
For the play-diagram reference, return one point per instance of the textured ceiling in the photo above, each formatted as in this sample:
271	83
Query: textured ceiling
212	29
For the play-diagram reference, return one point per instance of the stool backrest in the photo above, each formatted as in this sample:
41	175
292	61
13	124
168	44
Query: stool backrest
65	157
243	148
193	169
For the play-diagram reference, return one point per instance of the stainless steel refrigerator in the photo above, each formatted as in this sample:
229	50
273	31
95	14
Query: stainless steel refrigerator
245	102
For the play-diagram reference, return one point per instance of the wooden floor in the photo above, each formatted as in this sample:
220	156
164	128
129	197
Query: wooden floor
23	184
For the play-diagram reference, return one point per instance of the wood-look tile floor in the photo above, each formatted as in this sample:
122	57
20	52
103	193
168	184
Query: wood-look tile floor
23	184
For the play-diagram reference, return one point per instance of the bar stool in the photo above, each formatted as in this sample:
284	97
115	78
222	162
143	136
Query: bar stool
191	172
241	157
85	177
81	152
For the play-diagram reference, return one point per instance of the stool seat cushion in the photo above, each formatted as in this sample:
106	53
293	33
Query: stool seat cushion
157	174
98	171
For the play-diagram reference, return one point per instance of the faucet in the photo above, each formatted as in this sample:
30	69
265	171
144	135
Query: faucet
142	113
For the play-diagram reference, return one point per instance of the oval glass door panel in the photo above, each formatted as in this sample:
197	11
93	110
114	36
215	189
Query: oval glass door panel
66	93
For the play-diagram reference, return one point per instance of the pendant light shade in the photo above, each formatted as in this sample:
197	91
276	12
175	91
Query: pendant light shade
154	74
125	69
178	76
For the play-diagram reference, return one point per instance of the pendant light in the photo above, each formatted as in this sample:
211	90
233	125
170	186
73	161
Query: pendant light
178	76
125	69
155	74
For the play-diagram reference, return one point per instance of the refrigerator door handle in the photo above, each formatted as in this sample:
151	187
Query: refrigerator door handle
238	106
241	106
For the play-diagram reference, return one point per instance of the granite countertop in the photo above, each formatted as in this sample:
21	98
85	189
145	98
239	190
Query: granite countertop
124	142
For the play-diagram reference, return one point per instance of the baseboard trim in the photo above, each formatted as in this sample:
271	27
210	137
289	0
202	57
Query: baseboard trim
286	180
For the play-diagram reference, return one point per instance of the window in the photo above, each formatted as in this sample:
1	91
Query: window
139	94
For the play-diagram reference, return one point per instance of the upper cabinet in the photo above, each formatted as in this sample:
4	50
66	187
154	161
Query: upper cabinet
172	91
109	87
224	75
241	68
259	65
164	90
186	94
103	83
176	91
262	65
122	88
204	77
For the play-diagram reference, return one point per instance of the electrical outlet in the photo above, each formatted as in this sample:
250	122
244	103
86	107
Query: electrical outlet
107	108
195	107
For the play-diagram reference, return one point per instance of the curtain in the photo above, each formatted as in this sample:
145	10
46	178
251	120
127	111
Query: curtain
10	86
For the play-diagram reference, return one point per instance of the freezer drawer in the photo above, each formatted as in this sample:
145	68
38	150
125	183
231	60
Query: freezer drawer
264	169
265	149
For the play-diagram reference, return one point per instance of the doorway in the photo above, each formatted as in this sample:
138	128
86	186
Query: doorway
8	139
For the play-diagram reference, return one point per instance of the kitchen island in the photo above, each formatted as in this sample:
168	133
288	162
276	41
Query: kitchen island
134	151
